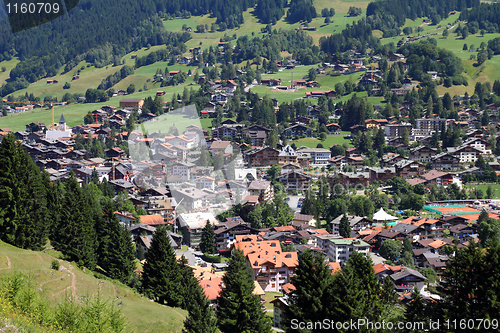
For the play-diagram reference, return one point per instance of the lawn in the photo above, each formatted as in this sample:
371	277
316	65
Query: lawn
330	140
327	82
141	315
74	113
484	188
4	75
268	297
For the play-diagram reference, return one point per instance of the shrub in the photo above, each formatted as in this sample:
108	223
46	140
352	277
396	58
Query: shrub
209	258
55	265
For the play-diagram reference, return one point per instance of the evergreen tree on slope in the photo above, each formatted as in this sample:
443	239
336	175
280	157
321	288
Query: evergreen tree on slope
23	206
161	278
239	310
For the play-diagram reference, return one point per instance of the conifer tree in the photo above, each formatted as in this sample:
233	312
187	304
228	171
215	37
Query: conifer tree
356	292
74	234
465	284
312	279
239	310
207	243
201	316
23	206
161	278
416	309
116	250
345	227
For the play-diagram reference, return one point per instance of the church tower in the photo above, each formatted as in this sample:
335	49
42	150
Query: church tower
62	123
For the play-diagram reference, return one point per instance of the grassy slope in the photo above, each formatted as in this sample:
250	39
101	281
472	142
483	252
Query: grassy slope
330	140
90	77
141	314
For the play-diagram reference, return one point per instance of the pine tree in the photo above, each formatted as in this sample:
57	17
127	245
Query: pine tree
207	243
94	177
312	279
417	308
23	207
116	250
74	233
201	316
239	310
161	278
465	284
345	227
356	292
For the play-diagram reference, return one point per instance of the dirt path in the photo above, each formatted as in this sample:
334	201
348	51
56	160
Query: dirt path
39	257
72	286
9	264
180	314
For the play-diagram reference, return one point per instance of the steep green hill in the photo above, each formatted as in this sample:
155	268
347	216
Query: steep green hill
141	315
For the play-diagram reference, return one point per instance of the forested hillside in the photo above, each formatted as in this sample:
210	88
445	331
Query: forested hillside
389	15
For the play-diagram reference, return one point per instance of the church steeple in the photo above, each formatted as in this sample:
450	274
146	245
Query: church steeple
62	123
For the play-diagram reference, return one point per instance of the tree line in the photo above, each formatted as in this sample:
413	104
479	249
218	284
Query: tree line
468	290
79	221
169	281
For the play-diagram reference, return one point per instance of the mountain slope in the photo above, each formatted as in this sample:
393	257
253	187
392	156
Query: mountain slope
141	315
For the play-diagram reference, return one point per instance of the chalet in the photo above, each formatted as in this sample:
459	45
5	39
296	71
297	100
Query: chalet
261	188
422	153
298	130
408	168
400	91
356	61
396	57
333	128
295	180
260	157
221	146
356	223
133	103
381	174
445	161
353	179
439	177
191	226
225	232
466	154
300	83
375	123
314	94
270	82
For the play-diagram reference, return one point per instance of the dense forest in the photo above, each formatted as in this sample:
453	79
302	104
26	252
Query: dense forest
356	37
389	15
301	10
484	17
270	11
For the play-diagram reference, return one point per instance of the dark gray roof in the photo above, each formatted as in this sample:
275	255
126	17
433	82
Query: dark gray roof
404	272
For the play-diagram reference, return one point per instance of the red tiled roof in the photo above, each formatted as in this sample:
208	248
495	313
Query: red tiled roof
151	219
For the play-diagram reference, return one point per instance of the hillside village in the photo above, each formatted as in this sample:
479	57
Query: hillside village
175	188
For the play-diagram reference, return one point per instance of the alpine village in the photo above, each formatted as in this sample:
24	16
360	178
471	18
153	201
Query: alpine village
251	166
